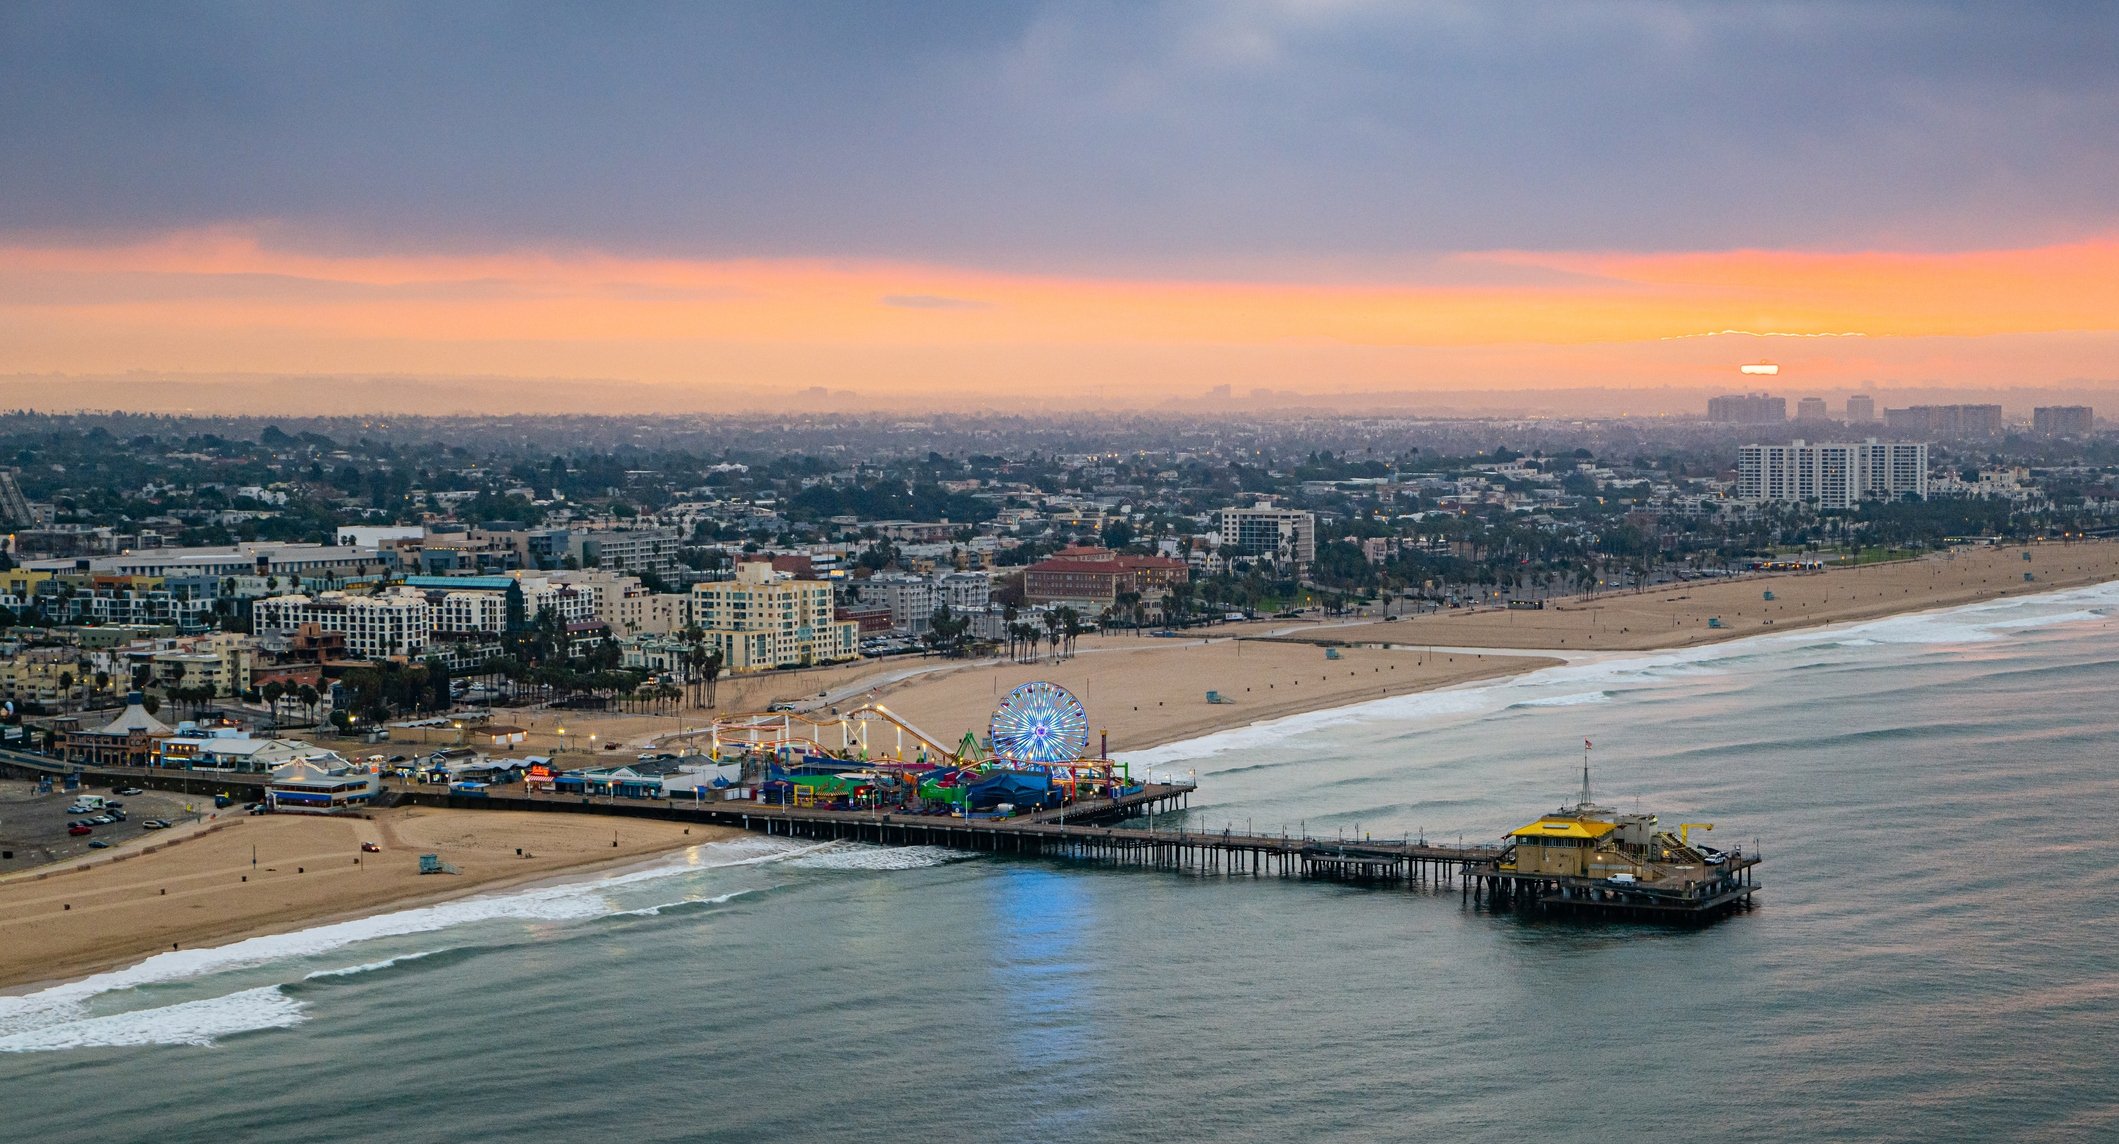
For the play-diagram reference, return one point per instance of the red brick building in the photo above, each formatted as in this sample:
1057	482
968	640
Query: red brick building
1094	578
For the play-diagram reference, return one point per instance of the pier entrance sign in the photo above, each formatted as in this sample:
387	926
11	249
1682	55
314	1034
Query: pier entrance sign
1040	722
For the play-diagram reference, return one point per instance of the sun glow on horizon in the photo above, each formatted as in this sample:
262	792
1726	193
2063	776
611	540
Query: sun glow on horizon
229	300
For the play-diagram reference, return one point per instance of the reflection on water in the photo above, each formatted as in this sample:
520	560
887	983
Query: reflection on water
1930	958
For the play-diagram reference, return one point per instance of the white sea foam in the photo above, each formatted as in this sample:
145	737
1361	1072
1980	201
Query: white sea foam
369	967
1966	623
1575	700
653	911
859	856
185	1023
30	1019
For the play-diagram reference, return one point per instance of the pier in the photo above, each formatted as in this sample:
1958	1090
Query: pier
1088	832
1110	832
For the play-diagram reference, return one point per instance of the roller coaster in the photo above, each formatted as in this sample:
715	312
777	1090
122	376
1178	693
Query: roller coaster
1034	755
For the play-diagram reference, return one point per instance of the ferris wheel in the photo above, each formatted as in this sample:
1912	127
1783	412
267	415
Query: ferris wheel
1040	722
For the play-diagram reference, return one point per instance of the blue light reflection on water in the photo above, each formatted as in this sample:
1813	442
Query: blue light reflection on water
1931	959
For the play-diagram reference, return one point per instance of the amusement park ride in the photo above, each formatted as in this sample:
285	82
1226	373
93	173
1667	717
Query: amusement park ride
1035	756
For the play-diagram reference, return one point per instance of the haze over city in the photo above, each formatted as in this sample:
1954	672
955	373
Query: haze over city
1058	570
427	209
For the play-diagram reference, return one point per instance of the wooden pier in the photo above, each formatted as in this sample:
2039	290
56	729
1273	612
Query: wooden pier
1086	832
1104	831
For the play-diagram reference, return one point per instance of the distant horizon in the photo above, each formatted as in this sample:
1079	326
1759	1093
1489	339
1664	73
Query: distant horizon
361	395
1042	205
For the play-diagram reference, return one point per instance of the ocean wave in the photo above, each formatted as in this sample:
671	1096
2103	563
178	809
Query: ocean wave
369	967
31	1015
198	1022
1575	700
718	899
1965	623
861	856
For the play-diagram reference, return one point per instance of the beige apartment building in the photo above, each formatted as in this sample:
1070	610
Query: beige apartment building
758	621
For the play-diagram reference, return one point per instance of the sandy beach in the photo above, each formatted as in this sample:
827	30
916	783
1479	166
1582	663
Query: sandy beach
1140	690
204	890
1148	692
1677	615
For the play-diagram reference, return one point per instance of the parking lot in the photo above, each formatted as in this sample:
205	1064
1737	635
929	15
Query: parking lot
33	827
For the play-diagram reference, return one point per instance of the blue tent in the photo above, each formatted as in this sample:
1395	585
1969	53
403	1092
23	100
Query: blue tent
1018	788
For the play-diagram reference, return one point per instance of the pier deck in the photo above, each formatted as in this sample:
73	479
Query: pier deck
1103	831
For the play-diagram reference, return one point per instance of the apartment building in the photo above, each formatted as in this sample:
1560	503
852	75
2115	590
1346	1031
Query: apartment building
2063	420
1946	420
758	621
1284	534
398	622
649	550
1831	475
1747	409
909	599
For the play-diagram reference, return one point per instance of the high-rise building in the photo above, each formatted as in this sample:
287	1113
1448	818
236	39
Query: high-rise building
1860	408
1946	420
1285	534
1834	476
2063	419
1747	409
1811	409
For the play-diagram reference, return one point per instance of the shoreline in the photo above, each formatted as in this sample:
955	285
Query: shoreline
1445	649
80	923
1148	674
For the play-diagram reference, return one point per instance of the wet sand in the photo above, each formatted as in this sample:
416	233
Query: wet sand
63	922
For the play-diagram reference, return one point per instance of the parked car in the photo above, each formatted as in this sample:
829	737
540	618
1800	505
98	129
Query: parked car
77	808
98	844
154	824
129	791
77	830
370	848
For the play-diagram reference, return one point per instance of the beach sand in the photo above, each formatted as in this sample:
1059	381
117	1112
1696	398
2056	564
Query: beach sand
1677	615
1143	690
1147	692
70	921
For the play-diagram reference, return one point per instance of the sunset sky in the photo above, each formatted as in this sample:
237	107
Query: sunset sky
962	204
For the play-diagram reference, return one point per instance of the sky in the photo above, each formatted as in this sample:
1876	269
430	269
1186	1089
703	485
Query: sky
982	204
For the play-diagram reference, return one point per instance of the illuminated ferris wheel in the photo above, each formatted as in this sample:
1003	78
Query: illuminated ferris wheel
1040	723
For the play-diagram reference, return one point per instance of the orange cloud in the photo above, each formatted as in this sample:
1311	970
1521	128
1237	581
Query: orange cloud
225	301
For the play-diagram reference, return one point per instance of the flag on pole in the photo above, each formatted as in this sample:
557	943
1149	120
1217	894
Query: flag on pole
1585	744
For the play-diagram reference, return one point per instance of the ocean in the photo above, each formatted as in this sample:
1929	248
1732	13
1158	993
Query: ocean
1933	956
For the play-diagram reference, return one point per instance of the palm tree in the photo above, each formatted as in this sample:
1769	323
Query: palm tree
309	697
272	692
710	667
1070	626
1052	631
66	690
